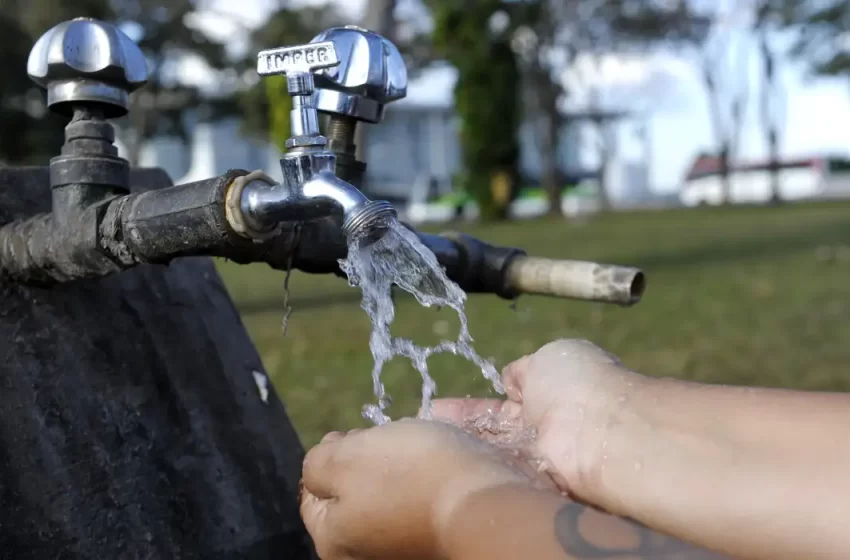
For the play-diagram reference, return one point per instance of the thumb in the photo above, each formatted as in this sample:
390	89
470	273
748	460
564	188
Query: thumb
513	378
576	351
556	355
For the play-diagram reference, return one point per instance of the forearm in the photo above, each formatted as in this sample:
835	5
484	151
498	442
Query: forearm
758	473
511	522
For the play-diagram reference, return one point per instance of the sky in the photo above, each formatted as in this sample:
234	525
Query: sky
664	88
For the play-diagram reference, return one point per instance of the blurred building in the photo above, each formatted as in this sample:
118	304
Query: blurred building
752	182
414	152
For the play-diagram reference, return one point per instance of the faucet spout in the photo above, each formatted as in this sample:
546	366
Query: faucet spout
311	190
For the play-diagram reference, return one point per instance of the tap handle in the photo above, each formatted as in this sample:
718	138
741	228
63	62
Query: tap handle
370	75
298	64
86	62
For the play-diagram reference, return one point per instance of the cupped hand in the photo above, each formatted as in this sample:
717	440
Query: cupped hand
567	393
387	492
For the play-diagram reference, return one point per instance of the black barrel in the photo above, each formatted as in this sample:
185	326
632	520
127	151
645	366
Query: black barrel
131	423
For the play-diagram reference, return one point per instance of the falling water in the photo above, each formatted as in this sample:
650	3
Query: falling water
400	258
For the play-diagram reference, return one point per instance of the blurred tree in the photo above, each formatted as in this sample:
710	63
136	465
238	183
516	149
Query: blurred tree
163	30
549	36
265	106
822	39
771	18
574	32
710	32
486	97
538	27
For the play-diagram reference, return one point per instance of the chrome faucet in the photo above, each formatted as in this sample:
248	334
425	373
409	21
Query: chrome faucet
370	75
95	216
310	187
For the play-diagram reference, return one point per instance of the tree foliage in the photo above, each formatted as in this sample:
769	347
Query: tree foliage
164	36
822	34
486	97
163	32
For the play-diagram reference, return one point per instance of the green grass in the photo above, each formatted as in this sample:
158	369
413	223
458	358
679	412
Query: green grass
735	295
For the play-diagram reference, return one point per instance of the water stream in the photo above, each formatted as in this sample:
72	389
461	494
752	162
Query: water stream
400	258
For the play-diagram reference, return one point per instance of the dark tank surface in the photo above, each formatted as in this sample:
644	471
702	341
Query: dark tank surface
131	425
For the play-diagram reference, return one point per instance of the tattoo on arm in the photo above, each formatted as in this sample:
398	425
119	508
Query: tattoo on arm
651	545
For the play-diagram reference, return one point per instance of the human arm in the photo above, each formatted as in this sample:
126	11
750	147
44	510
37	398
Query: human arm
755	473
761	473
513	522
423	490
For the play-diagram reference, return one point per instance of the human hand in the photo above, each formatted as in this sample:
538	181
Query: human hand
569	392
389	491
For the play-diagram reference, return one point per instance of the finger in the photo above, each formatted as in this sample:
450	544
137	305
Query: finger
332	436
578	350
320	468
314	513
354	432
459	411
513	378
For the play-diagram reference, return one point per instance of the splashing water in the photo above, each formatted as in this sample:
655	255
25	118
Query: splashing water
400	258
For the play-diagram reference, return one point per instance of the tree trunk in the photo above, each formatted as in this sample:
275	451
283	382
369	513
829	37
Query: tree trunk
549	124
604	164
131	424
775	177
769	117
725	174
717	123
604	200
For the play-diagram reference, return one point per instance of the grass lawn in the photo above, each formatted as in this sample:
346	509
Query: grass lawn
735	295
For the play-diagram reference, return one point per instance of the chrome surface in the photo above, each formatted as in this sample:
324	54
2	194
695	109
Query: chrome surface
310	188
297	64
87	60
366	219
371	73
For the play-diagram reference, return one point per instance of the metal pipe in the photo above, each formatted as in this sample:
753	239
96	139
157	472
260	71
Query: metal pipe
264	206
340	133
161	225
582	280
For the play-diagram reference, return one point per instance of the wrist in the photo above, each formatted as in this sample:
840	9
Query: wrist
487	522
611	429
460	489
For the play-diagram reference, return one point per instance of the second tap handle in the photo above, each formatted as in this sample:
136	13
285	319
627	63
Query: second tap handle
300	59
297	64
